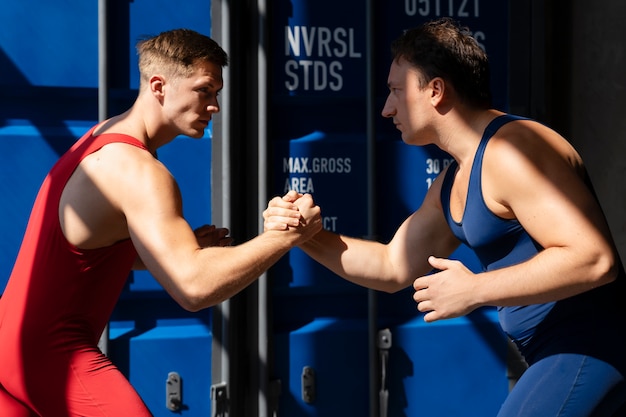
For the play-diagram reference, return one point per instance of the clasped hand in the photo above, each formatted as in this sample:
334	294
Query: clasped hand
295	212
209	235
289	211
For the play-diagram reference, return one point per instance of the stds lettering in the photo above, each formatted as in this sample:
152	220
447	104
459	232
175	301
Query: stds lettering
311	47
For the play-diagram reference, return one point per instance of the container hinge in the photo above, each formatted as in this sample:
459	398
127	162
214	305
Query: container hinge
174	392
219	400
384	343
275	388
308	384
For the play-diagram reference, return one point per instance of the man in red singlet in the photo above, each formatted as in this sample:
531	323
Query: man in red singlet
109	205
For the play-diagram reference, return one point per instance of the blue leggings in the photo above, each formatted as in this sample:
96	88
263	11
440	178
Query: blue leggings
567	385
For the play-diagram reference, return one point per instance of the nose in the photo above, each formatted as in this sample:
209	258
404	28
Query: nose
388	110
213	107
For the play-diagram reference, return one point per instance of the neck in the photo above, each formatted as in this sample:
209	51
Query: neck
139	123
462	131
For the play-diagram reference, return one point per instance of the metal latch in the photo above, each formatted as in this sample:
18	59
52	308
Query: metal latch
174	392
219	400
384	343
308	384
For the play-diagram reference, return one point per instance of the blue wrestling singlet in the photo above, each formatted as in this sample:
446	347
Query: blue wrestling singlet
576	347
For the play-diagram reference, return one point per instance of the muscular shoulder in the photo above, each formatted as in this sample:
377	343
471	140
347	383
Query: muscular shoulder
532	140
119	167
107	188
521	156
133	176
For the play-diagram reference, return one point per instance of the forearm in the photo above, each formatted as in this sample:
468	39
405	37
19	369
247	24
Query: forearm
222	272
553	274
365	263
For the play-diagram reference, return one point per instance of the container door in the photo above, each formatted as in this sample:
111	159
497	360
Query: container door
317	136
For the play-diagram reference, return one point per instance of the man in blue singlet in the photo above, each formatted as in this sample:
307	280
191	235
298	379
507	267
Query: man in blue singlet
517	194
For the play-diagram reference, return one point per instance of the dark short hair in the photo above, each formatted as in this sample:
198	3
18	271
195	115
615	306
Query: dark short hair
443	48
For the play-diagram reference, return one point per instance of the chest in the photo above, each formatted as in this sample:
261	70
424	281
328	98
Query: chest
478	189
87	216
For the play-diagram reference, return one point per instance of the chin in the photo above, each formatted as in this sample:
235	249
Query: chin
407	140
196	134
414	140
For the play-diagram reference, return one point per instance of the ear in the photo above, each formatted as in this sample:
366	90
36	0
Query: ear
438	88
157	82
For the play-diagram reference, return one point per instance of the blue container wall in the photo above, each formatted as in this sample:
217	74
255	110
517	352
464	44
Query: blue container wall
49	44
321	345
454	368
317	68
48	76
49	99
147	350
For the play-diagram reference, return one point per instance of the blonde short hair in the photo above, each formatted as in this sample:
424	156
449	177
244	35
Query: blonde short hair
174	53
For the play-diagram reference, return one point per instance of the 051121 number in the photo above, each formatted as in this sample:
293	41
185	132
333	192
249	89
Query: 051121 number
451	8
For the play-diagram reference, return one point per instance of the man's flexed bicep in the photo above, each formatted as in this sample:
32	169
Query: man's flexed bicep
165	242
194	274
423	234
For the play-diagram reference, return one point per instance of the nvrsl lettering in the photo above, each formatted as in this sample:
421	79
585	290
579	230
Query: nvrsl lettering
317	165
317	42
338	42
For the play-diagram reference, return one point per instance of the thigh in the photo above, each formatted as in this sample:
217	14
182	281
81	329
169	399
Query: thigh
97	388
564	385
85	383
11	407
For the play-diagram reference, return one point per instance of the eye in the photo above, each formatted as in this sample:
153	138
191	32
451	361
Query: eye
208	92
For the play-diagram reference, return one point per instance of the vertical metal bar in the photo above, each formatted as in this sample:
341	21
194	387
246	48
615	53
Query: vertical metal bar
221	201
263	285
225	307
225	115
103	106
372	300
103	74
